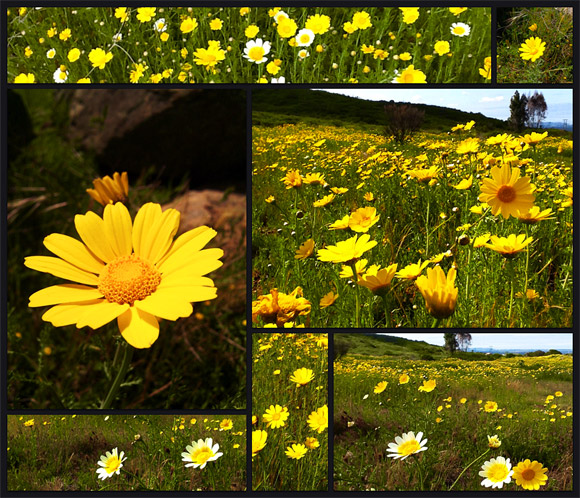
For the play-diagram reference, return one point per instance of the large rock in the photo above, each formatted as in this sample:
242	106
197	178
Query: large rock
196	134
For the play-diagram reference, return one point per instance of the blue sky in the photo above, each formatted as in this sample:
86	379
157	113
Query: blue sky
504	340
492	102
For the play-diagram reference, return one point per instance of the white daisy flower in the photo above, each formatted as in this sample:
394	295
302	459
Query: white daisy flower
460	29
304	38
496	471
110	463
198	454
256	50
407	444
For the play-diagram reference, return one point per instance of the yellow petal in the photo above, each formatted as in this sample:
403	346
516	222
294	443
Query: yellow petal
117	225
60	268
177	279
167	305
97	315
67	314
189	249
146	218
91	229
199	263
191	293
65	293
182	240
73	251
156	240
138	328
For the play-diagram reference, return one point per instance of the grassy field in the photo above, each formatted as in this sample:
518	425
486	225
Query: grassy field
60	452
553	27
195	45
419	203
292	456
532	419
197	362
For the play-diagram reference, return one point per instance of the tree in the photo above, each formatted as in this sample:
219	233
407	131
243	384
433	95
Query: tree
518	111
536	107
402	120
463	340
450	342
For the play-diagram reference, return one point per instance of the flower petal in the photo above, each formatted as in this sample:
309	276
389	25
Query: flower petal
146	217
60	268
99	314
65	293
177	257
191	293
73	251
117	225
197	264
183	239
138	328
91	229
167	305
67	314
158	238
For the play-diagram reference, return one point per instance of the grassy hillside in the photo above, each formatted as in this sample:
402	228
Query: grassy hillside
275	107
385	345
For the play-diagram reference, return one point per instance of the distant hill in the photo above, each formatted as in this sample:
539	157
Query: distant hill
272	107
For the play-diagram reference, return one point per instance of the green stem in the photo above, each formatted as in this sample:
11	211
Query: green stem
388	318
436	323
135	477
419	468
127	355
463	472
512	277
427	224
357	309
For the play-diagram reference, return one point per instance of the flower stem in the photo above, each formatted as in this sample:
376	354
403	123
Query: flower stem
436	323
388	318
427	224
127	355
357	308
512	277
135	477
463	472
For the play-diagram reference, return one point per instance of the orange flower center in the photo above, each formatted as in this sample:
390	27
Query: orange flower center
506	193
528	474
128	279
409	447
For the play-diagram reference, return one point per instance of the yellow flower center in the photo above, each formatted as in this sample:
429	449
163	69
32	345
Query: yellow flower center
409	447
528	475
506	193
202	455
304	39
256	53
112	464
459	30
128	279
276	416
497	472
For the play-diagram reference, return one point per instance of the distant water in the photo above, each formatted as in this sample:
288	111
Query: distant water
515	351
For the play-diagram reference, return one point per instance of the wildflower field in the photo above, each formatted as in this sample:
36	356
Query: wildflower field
460	228
535	45
453	424
126	453
249	45
290	412
76	268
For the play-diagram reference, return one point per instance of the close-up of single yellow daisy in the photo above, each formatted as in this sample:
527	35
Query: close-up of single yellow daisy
302	376
507	192
318	420
380	387
530	475
378	281
279	308
411	75
412	271
509	246
305	250
259	439
129	270
296	451
362	219
110	190
347	250
439	291
532	49
275	416
428	385
406	445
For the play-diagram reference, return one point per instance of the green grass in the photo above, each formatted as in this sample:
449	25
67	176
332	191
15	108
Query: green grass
275	358
334	56
554	26
197	362
60	452
417	221
528	425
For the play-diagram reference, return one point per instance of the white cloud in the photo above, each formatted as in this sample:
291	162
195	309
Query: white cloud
416	98
499	98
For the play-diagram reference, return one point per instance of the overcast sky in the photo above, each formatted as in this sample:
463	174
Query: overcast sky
504	340
492	102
